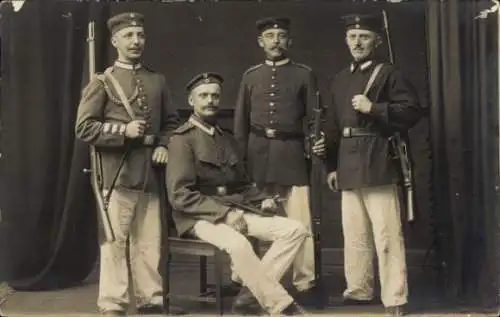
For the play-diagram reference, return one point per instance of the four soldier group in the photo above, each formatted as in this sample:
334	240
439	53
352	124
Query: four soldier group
224	188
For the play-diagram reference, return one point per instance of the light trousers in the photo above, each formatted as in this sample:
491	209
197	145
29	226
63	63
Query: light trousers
261	276
138	223
371	225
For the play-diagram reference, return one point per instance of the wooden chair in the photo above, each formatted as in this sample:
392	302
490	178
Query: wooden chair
203	250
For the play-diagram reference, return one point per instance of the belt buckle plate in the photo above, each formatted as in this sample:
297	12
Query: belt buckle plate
346	132
221	190
270	133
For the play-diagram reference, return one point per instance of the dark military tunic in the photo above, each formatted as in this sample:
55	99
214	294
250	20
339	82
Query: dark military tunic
101	121
279	96
368	160
206	176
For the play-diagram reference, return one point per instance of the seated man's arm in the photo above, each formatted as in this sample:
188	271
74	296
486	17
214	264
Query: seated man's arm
181	184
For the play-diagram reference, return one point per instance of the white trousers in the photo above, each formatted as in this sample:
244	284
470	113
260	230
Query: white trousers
138	223
261	276
371	225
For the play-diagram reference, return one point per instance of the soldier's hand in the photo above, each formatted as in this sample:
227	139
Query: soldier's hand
331	180
361	103
135	129
319	147
235	220
160	155
269	204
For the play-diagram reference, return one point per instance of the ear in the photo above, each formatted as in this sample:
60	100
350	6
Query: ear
290	42
378	40
113	41
190	100
260	41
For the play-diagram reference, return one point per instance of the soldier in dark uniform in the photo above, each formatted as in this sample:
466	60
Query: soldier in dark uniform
361	164
213	200
274	106
134	207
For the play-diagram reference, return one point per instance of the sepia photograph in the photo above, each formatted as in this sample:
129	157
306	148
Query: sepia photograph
249	158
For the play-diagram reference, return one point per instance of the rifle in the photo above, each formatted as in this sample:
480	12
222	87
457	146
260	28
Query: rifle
95	159
399	144
315	199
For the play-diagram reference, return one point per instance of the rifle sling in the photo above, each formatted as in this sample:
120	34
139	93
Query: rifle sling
372	78
119	90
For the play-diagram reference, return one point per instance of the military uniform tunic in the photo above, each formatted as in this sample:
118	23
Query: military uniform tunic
279	96
368	160
101	120
206	158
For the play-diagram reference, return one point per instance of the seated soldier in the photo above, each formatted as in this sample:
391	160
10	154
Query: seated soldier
213	201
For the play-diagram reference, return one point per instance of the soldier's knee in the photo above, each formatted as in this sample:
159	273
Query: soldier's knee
238	245
298	230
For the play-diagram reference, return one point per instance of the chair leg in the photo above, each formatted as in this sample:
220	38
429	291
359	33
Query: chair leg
218	282
203	275
166	285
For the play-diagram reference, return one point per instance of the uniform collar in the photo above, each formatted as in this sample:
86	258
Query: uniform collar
128	66
203	126
363	66
278	63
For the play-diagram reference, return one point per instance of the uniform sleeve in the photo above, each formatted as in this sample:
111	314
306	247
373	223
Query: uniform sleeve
402	110
90	124
332	133
181	184
242	117
170	119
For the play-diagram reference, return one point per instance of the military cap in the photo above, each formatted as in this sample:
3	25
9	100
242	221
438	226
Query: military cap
123	20
273	23
370	22
204	78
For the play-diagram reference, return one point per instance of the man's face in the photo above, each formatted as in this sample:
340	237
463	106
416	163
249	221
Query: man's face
129	42
362	43
275	43
205	99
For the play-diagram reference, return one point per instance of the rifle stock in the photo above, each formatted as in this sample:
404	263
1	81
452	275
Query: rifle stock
95	160
399	145
315	198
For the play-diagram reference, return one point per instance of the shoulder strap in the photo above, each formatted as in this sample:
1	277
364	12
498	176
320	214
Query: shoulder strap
120	92
372	78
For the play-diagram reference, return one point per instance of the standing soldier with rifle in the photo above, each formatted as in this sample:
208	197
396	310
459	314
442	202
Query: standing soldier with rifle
274	108
371	104
127	117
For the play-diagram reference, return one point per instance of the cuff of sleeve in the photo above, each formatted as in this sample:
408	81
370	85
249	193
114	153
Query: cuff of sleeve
115	129
379	109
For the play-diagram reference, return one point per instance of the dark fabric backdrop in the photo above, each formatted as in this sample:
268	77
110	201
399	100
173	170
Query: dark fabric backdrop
463	61
48	236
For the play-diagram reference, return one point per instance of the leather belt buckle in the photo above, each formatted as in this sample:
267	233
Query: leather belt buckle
221	190
149	139
271	133
347	132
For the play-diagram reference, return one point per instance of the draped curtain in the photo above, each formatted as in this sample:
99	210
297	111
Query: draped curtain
463	65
